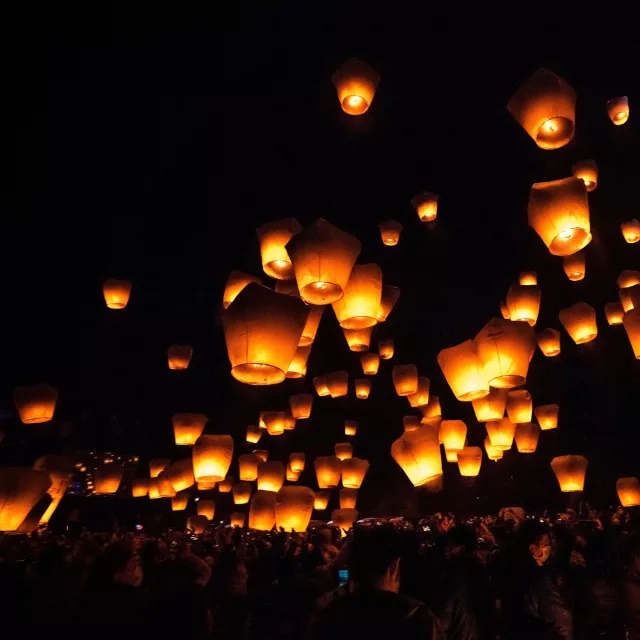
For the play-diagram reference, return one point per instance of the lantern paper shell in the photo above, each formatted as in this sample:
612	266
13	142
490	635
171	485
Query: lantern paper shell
370	363
545	107
432	408
273	238
549	342
140	487
587	171
301	405
464	371
453	434
254	433
344	519
188	427
492	406
418	454
411	423
338	383
358	307
526	437
451	455
358	339
426	206
237	519
559	214
197	524
630	297
165	488
297	461
35	403
405	379
20	490
153	492
348	498
519	406
421	396
107	479
262	511
294	507
579	321
201	486
505	348
328	471
528	278
343	450
207	508
570	472
628	279
275	422
547	416
179	357
225	486
390	231
157	466
298	366
493	453
270	476
60	470
631	324
618	110
212	455
320	385
236	282
390	295
350	427
470	461
116	293
180	474
323	257
353	472
241	492
363	388
179	502
356	83
628	491
575	266
248	467
311	327
523	303
262	454
321	500
501	433
290	475
262	330
631	231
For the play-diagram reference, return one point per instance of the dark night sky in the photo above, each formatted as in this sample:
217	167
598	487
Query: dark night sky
149	146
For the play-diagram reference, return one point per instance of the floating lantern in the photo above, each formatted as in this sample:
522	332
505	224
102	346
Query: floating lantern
350	427
107	478
270	476
321	500
348	498
297	461
197	524
328	471
298	366
545	107
200	486
547	416
579	321
35	403
60	470
321	387
353	472
236	282
179	357
411	423
630	297
570	472
262	511
421	396
180	501
225	485
523	303
237	519
528	278
426	206
519	406
575	266
628	491
275	422
248	467
464	371
290	475
451	455
164	486
358	307
311	326
386	349
294	506
273	238
254	433
212	455
338	383
140	487
20	490
549	342
390	296
343	450
405	379
618	110
116	293
432	408
587	171
207	508
157	466
418	454
390	231
301	404
631	324
241	492
153	489
526	437
453	434
180	474
628	279
358	339
262	330
188	427
501	433
344	519
631	231
262	454
470	461
356	83
363	388
492	406
493	453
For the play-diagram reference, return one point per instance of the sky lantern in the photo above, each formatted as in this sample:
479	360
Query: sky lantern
363	388
628	491
157	466
405	379
35	403
490	407
418	455
153	489
545	107
549	342
275	422
358	307
226	484
464	371
618	110
301	405
390	231
631	322
470	461
386	348
291	475
165	488
579	322
116	293
432	409
519	406
21	489
298	365
411	423
237	519
453	434
206	508
501	433
328	471
180	501
451	455
236	282
273	238
262	330
630	297
523	303
526	437
505	348
344	519
338	383
140	487
241	492
388	300
270	476
321	386
559	214
107	478
426	206
262	510
179	357
575	266
197	524
343	450
188	427
263	454
358	339
350	427
356	83
321	500
547	416
614	312
631	231
254	433
570	472
587	171
628	278
180	474
311	326
294	507
248	467
421	396
528	278
60	470
297	461
323	257
493	453
212	455
353	472
348	498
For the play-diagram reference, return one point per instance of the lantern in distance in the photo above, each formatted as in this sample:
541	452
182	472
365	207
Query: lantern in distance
301	404
587	171
197	524
421	396
311	326
390	231
248	467
344	519
21	489
470	461
385	349
618	110
432	408
180	474
262	454
180	501
294	506
570	472
353	472
165	488
116	293
526	437
579	321
426	206
519	406
434	424
262	330
490	407
501	433
547	416
241	492
225	485
298	366
575	266
200	486
236	282
348	498
60	470
107	478
549	342
464	371
157	466
356	83
523	303
528	279
630	297
237	519
179	357
358	339
321	500
275	422
338	383
328	471
188	427
418	455
212	455
390	296
207	508
628	279
154	494
291	475
262	510
405	379
140	487
451	455
273	238
363	388
297	461
453	434
343	450
254	433
631	322
411	423
631	231
628	491
321	387
358	307
35	403
350	427
270	476
493	453
545	107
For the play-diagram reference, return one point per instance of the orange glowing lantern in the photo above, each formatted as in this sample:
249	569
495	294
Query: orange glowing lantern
350	427
291	475
390	296
301	405
237	519
197	524
549	342
356	83
321	500
328	471
153	489
628	279
631	324
421	396
344	519
165	488
523	303
630	297
338	383
492	406
248	467
262	454
575	266
298	366
262	511
631	231
370	363
200	486
60	470
363	388
386	348
236	282
358	307
587	171
311	326
107	478
545	107
405	379
390	231
180	501
628	491
501	433
526	437
411	423
426	206
275	422
188	427
273	238
618	110
270	476
453	434
207	508
354	471
418	454
241	492
470	461
254	433
140	487
180	474
579	321
464	371
321	386
570	472
225	486
451	455
35	403
297	461
358	339
343	450
493	453
116	293
519	406
348	498
294	507
179	357
614	312
432	408
20	490
547	416
528	279
157	466
212	455
262	330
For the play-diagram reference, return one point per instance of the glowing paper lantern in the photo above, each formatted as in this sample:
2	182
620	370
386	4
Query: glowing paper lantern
575	266
356	83
107	478
411	423
338	383
157	466
405	379
631	231
358	339
490	407
451	455
470	461
358	307
273	238
188	427
116	293
344	519
275	422
35	403
432	408
354	471
587	171
501	433
390	296
523	303
180	501
241	492
370	363
579	321
164	486
547	416
262	511
237	519
545	107
248	467
418	454
628	491
270	476
179	357
464	371
212	455
311	326
291	475
493	453
453	434
390	231
201	486
526	437
343	450
262	454
549	342
421	396
328	471
630	297
140	487
321	500
225	486
363	388
618	110
348	498
559	214
254	433
301	405
294	506
298	366
528	278
180	474
60	470
519	406
197	524
262	330
350	427
631	324
297	461
628	279
426	206
386	349
207	508
320	385
236	282
570	472
504	310
20	490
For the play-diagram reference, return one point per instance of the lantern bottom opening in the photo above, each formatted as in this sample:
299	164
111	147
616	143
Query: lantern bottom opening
583	339
37	419
359	322
570	241
390	242
178	367
116	305
354	105
555	133
321	293
477	394
359	348
305	341
550	353
507	382
257	373
279	269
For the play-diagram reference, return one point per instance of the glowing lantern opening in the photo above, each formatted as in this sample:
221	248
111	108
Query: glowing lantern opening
579	321
356	83
363	388
631	231
386	349
587	171
549	342
523	303
358	339
273	238
628	491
